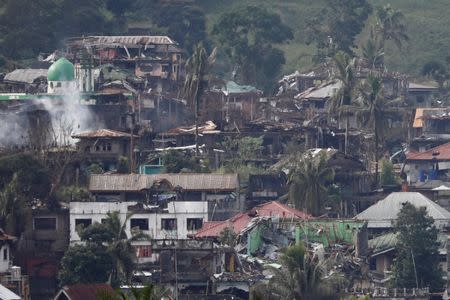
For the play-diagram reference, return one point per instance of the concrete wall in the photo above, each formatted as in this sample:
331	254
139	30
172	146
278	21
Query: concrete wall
4	258
181	211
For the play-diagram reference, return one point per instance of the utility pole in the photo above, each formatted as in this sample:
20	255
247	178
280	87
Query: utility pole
415	271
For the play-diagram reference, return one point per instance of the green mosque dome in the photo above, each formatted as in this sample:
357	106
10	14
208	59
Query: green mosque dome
61	70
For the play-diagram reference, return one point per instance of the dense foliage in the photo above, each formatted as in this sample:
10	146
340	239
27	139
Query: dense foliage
248	36
417	250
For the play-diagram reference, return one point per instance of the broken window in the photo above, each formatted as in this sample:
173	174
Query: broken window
83	222
194	223
44	223
165	68
142	224
169	224
5	254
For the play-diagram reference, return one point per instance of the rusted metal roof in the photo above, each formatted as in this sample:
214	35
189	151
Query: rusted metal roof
438	153
429	113
123	40
25	75
102	133
85	291
187	181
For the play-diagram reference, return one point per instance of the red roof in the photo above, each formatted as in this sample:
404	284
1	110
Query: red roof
241	220
441	152
84	291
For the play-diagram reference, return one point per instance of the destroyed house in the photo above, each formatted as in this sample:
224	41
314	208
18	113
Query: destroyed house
168	219
220	191
264	188
105	146
419	95
41	247
240	221
197	268
431	127
29	81
232	103
155	58
429	166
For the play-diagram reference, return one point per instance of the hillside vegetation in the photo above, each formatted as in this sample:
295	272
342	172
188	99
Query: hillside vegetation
428	24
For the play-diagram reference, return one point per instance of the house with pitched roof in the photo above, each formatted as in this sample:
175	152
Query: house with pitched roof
380	216
85	292
428	169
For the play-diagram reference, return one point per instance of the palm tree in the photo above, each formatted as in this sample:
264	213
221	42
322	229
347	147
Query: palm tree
119	247
389	26
111	234
308	183
196	82
341	102
300	276
374	109
372	51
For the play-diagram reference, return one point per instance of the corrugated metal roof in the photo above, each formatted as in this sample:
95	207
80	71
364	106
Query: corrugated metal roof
326	90
127	40
25	75
423	113
102	133
7	294
86	291
232	87
439	153
382	213
187	181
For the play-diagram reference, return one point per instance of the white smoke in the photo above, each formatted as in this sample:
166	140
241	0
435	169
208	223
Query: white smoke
68	116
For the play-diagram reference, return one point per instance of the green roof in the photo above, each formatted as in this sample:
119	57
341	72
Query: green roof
234	88
61	70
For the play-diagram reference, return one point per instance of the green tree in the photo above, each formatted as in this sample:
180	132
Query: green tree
300	277
308	183
247	35
389	25
437	71
111	236
342	101
85	264
373	52
228	237
184	22
336	26
374	110
417	250
176	162
30	27
387	176
196	81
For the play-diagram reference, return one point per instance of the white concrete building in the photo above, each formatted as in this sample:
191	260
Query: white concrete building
5	251
179	219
